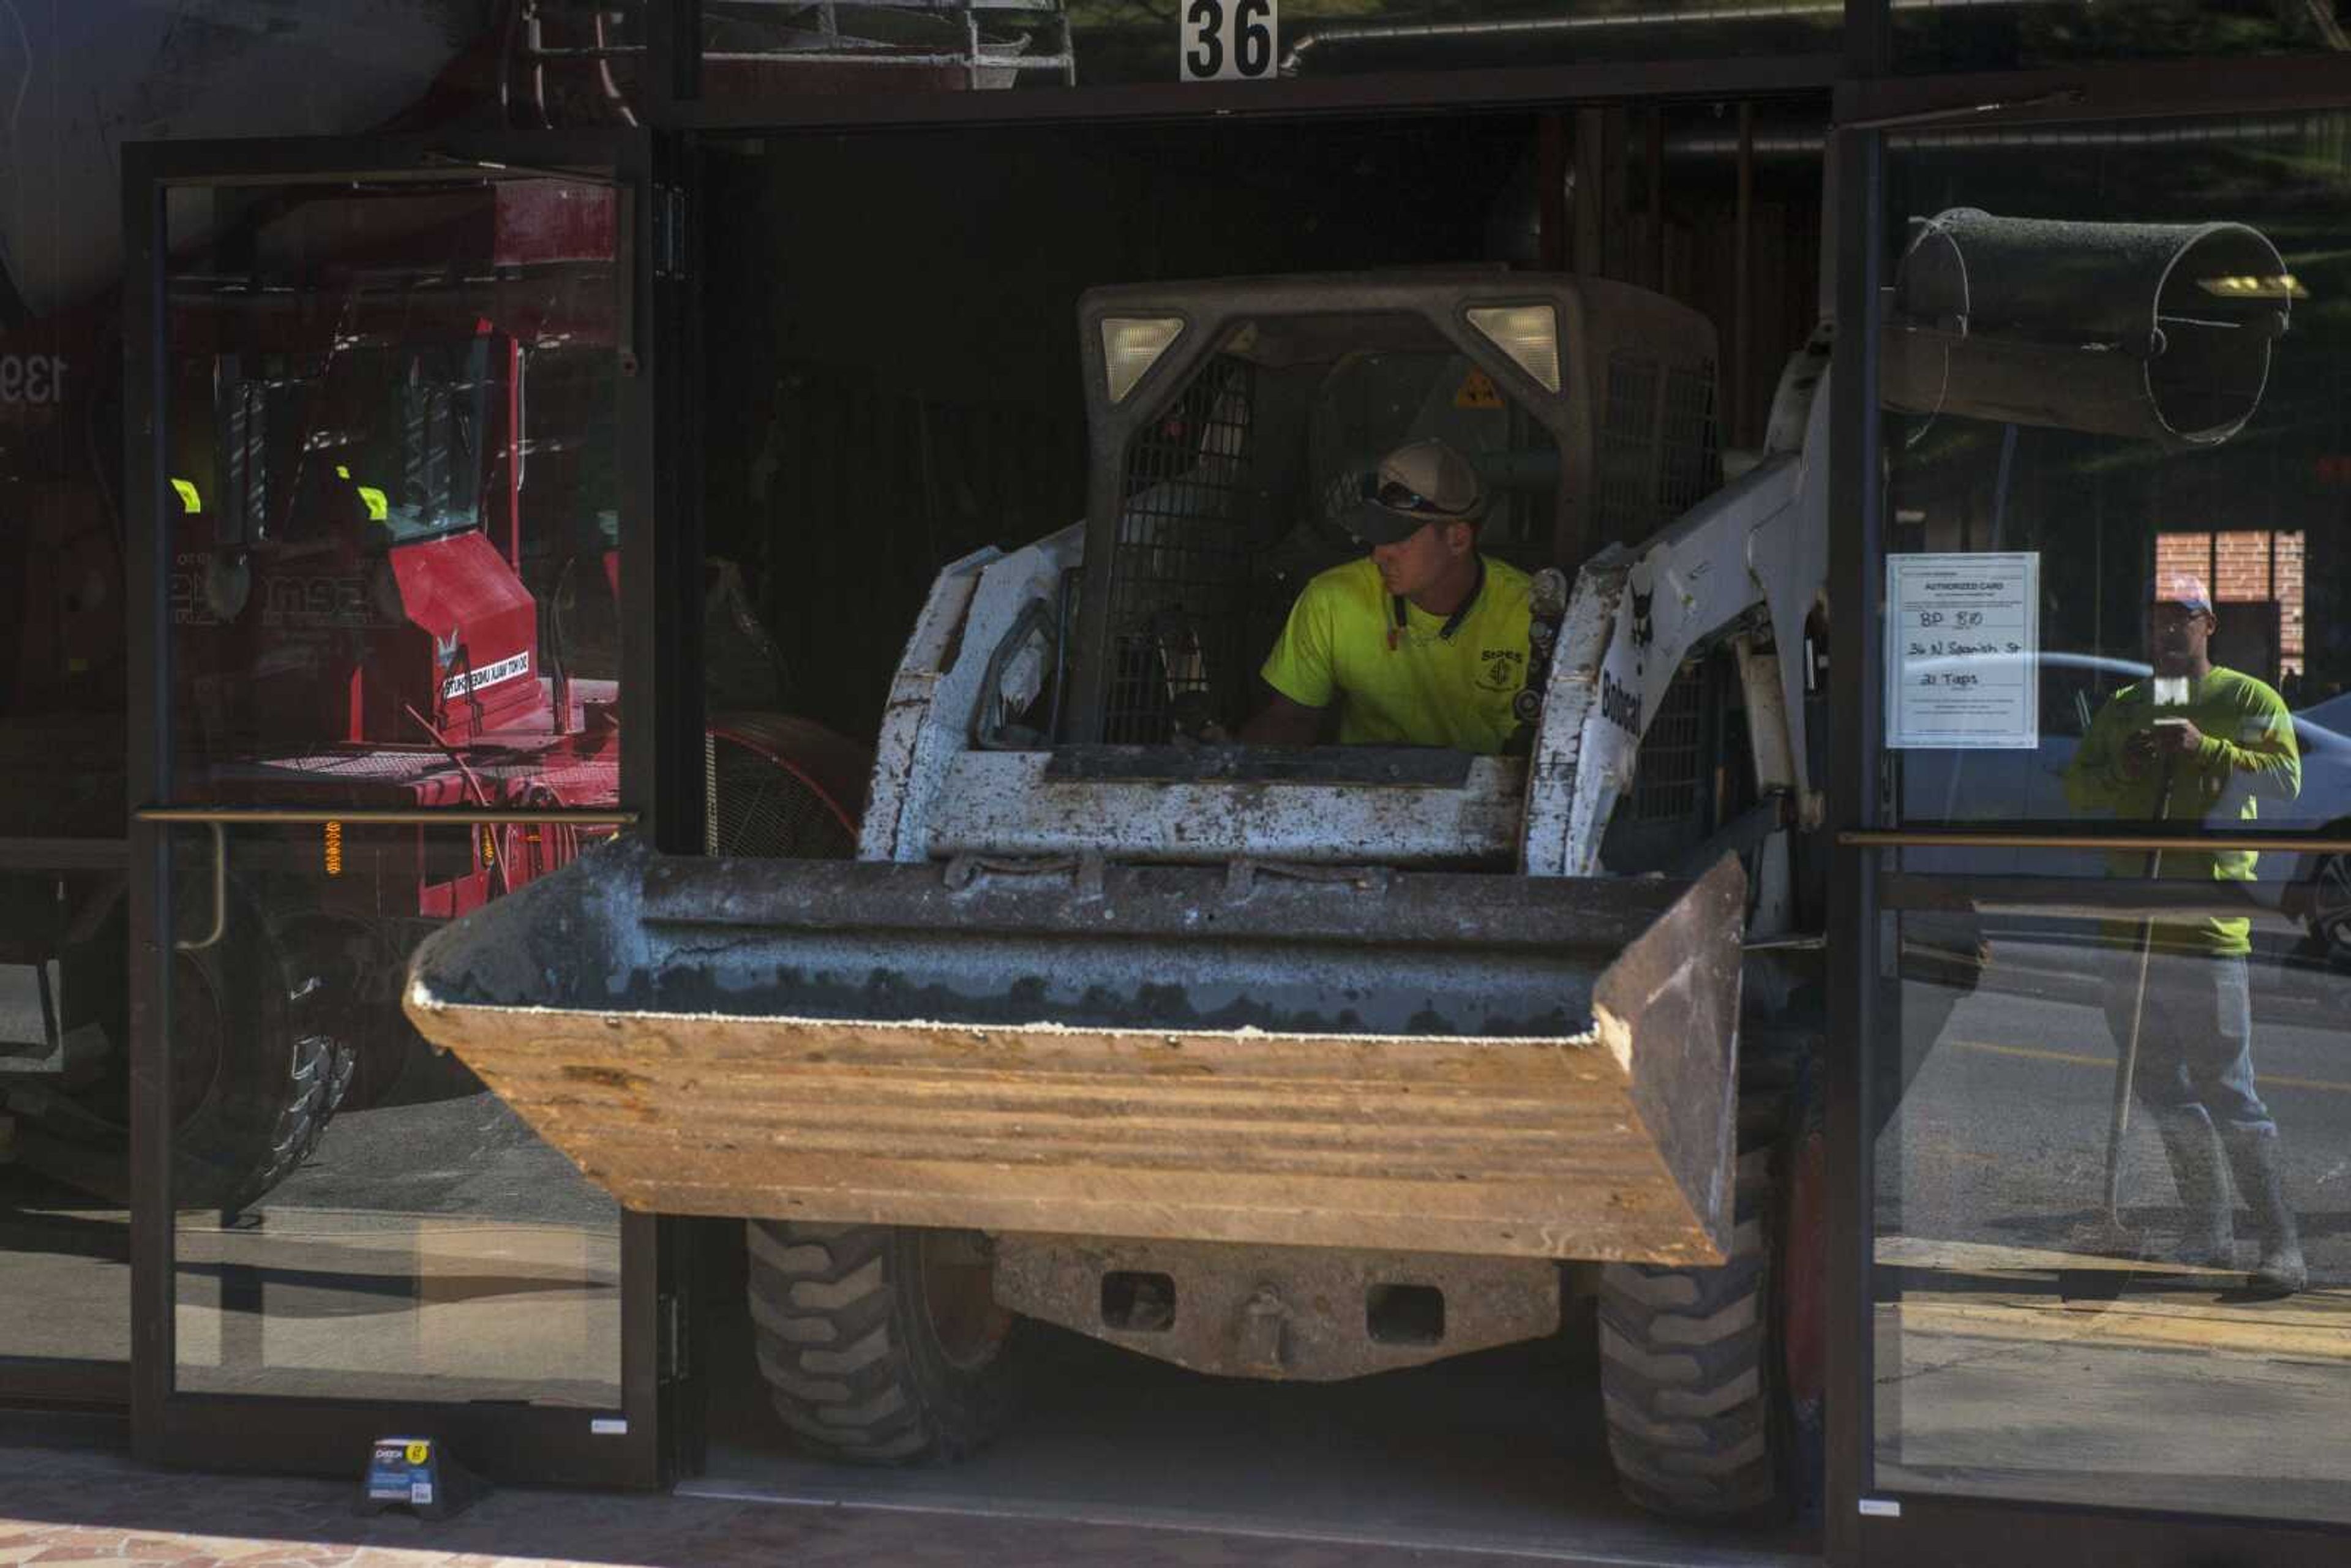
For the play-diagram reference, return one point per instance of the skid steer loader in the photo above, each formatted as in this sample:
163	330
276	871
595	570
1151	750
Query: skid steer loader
1298	1063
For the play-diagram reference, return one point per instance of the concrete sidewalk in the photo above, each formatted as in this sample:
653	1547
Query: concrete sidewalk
77	1508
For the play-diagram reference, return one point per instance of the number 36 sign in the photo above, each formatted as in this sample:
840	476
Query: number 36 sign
1228	39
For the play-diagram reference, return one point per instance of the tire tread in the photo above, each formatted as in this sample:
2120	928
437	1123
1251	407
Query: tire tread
1685	1378
830	1313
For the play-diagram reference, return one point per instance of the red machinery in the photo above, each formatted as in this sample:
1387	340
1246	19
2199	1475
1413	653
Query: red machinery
392	586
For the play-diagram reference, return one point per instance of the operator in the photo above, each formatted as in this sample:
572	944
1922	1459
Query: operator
2193	742
1422	642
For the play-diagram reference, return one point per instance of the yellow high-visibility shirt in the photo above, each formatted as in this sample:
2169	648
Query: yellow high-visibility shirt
2248	751
1427	689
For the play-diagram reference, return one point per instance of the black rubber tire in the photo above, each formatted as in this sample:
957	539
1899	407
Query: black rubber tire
314	965
282	1009
262	1053
2328	911
1690	1359
855	1362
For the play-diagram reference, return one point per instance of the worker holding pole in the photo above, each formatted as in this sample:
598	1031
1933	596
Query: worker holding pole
2195	743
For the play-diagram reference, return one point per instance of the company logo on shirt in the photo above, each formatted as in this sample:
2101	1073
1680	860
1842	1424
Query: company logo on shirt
1501	669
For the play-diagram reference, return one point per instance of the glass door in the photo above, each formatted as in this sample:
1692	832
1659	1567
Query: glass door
389	479
2107	1107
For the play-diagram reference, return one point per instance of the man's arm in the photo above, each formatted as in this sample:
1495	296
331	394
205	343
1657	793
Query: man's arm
1283	722
1300	676
2262	759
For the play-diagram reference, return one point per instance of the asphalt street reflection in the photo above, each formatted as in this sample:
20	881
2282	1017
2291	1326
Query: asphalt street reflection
2025	1349
2001	1137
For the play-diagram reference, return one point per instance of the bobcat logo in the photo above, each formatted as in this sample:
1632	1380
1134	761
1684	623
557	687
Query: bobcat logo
1644	631
1620	705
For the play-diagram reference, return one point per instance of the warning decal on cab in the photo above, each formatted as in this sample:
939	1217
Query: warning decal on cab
1477	390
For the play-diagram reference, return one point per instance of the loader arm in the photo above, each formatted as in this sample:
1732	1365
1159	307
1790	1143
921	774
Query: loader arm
1758	549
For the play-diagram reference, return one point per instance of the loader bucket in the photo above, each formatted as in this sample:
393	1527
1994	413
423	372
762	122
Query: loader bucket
1424	1061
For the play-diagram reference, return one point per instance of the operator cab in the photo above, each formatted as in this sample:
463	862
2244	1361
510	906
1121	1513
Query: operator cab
1236	496
1232	424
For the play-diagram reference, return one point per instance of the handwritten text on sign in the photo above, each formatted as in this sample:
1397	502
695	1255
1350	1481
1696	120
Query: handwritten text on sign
1962	634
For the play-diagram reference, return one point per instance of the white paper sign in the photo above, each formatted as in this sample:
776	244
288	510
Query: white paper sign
1228	40
1962	640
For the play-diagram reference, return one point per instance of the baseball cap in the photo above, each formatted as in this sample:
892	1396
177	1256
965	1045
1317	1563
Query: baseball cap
2184	588
1419	483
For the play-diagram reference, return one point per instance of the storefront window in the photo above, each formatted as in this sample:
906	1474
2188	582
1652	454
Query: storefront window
83	80
401	1233
64	720
2113	1110
392	510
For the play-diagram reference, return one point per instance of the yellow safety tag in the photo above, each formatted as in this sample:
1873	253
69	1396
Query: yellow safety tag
379	505
190	502
342	471
1477	390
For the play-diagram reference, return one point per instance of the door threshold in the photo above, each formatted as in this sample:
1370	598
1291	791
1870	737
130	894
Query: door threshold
1611	1543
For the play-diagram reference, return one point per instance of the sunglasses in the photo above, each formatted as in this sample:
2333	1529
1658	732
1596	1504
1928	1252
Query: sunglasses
1396	497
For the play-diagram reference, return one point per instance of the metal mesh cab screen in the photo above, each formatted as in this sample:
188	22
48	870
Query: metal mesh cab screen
1180	569
1658	456
1666	775
1671	808
1624	493
1690	465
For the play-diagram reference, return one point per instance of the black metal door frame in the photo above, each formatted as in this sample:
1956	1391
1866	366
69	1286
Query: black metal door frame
1868	1525
659	785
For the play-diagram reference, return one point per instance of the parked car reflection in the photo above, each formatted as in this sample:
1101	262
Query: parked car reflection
2026	787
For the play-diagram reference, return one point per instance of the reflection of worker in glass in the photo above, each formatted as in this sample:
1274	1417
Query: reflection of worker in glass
2196	742
1421	643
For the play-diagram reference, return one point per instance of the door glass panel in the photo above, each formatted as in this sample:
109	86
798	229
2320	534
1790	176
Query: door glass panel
64	711
394	518
2111	1112
64	1250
